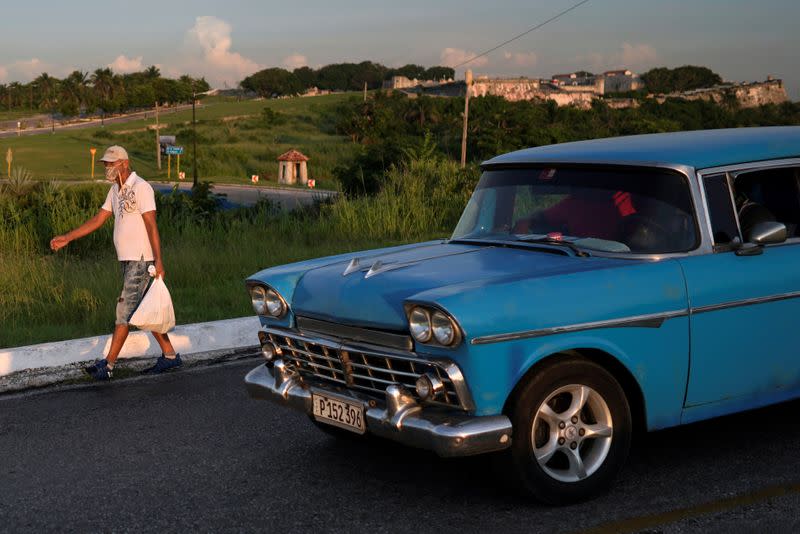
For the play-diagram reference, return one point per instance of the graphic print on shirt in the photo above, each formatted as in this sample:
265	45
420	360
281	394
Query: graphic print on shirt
127	201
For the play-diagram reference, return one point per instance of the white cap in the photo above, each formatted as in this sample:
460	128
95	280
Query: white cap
114	153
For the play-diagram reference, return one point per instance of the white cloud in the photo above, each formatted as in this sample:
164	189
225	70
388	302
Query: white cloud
638	55
209	54
450	57
295	61
125	65
522	59
25	70
635	56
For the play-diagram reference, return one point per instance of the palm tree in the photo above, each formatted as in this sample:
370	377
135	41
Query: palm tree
47	87
103	85
73	91
15	94
152	72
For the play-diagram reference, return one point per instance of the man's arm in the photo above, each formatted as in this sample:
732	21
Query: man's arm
150	225
61	241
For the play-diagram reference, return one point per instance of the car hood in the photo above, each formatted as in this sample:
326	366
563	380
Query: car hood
370	289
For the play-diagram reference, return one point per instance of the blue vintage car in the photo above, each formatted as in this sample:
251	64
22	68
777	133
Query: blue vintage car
590	290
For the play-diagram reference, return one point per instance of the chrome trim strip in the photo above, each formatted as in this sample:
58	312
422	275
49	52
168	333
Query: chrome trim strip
653	320
745	302
751	166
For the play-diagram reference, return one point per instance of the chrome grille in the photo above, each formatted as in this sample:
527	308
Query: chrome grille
367	371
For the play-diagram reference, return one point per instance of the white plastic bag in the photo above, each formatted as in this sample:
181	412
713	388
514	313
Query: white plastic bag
155	312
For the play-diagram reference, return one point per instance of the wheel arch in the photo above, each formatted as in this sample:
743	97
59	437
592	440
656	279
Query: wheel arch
630	386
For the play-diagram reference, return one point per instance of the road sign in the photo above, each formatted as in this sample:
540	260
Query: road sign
166	139
174	150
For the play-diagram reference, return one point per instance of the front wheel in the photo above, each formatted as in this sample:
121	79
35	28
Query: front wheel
572	432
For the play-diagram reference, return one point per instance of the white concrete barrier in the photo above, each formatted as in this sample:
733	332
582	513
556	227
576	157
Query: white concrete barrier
45	363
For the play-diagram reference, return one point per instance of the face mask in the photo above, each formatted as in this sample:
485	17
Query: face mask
112	174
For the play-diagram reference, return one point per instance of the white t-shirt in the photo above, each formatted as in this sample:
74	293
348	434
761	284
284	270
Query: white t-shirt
130	234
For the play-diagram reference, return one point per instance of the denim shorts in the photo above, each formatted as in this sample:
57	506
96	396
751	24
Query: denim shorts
135	281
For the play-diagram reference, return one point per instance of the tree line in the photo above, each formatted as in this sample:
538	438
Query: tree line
390	127
103	90
336	77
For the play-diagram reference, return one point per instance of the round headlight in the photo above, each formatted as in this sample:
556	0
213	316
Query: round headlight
258	297
275	305
419	322
429	386
443	328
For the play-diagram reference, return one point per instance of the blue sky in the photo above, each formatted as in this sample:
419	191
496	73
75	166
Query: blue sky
226	40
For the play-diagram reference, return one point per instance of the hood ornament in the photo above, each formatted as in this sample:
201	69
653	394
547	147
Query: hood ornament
353	266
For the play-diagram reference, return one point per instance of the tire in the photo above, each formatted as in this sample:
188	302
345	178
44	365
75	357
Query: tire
556	459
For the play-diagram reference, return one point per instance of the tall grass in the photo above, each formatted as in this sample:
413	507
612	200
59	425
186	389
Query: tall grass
48	296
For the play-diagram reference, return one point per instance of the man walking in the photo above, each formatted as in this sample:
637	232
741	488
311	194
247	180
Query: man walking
132	202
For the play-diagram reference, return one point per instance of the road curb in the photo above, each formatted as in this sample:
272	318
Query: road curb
62	361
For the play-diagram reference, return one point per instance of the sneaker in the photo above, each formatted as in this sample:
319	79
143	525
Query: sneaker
164	364
99	370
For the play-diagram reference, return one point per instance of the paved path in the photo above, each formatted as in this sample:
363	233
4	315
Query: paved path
288	198
190	451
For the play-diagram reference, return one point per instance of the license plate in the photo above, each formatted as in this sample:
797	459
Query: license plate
338	412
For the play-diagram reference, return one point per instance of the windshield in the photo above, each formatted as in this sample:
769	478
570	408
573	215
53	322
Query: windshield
640	211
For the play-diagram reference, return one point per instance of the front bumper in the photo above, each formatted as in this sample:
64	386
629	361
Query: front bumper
448	433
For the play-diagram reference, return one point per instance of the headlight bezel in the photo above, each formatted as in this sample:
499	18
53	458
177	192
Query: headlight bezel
260	295
454	339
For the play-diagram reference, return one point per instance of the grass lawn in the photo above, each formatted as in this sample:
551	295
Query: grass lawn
233	142
17	114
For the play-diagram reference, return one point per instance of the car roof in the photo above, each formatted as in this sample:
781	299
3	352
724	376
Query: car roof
700	149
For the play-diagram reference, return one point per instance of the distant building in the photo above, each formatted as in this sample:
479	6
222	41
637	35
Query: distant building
621	81
573	79
292	165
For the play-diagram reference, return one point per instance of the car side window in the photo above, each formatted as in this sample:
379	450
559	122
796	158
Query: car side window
769	195
720	210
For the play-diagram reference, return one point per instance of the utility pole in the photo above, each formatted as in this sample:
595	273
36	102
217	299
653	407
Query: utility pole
365	91
468	78
194	141
158	144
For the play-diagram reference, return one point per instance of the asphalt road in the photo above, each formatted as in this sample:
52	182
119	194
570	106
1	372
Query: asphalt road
12	132
190	450
245	195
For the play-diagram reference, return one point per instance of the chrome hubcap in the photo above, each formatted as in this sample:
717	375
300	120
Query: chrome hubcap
572	433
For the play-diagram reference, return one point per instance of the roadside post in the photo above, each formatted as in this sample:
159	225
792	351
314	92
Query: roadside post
92	151
158	141
9	158
468	79
19	128
173	150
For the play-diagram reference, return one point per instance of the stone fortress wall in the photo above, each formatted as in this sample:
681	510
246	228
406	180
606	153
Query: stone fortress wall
748	95
580	92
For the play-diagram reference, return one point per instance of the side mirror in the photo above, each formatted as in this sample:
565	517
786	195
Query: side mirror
766	233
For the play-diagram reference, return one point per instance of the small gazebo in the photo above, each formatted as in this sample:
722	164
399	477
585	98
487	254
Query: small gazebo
292	166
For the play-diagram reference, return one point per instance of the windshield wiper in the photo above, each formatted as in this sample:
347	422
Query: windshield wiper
547	240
